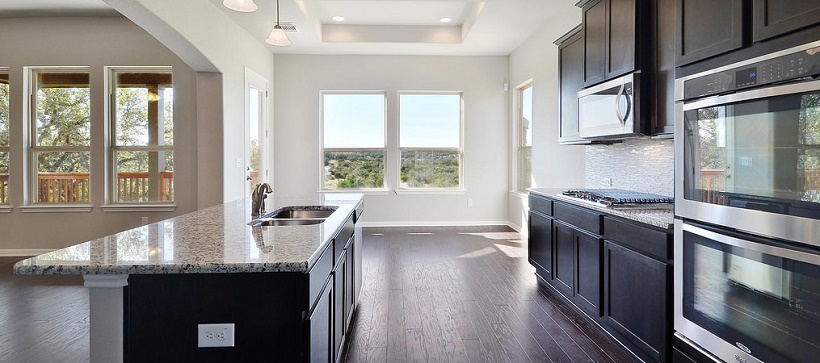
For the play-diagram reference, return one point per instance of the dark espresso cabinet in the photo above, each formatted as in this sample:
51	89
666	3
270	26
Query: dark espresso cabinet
613	32
616	271
705	28
571	80
771	18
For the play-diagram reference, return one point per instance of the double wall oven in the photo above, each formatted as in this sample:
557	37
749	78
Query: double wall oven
747	202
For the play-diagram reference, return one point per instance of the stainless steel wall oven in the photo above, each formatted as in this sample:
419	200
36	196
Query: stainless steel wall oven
747	199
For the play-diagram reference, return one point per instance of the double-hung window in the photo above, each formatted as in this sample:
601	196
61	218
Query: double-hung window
4	136
523	124
142	135
430	143
60	135
353	141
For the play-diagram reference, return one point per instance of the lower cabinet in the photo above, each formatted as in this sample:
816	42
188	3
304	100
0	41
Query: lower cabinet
578	266
332	313
638	300
616	271
320	325
540	244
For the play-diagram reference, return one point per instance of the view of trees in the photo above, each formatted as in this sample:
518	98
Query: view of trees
354	169
63	120
133	128
429	169
4	139
365	169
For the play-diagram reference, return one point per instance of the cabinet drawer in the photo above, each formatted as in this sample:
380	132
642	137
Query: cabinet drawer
578	217
341	239
541	205
319	273
656	243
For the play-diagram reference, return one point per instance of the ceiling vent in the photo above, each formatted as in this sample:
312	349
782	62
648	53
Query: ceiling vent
288	27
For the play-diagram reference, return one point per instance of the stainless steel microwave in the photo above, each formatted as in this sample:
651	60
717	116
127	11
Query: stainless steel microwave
610	109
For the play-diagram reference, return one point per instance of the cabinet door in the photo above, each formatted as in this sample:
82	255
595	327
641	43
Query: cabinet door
620	37
637	305
564	272
705	28
540	245
589	252
321	327
771	18
594	24
571	65
349	274
339	304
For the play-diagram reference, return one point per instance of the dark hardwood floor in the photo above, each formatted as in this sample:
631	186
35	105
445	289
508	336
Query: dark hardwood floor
448	294
438	294
42	318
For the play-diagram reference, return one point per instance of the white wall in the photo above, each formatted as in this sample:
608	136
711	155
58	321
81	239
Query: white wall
299	78
553	165
93	42
209	41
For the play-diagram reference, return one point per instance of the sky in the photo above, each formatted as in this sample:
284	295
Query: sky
357	120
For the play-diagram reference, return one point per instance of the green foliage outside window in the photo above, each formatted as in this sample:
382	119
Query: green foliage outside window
354	169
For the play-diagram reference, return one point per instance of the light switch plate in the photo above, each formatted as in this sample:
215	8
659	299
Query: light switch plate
215	335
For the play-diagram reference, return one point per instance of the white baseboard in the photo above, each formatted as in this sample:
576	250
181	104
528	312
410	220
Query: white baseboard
435	223
516	227
11	252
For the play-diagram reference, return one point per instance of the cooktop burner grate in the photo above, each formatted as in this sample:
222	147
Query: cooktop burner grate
617	196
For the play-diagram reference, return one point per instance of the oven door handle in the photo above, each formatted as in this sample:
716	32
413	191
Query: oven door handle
766	92
789	253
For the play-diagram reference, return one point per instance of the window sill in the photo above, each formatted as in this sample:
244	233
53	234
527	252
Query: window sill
429	191
357	191
57	208
5	209
139	208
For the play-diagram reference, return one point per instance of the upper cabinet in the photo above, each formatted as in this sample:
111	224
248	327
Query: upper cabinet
771	18
611	38
706	28
571	80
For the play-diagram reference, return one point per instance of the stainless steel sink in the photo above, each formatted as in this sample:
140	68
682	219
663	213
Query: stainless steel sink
297	215
264	222
301	212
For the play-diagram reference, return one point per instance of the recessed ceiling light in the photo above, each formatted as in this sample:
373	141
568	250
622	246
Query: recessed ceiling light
445	20
338	18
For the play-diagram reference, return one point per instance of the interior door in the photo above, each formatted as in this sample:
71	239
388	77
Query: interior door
256	130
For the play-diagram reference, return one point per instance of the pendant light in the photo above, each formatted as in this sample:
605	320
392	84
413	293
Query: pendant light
244	6
277	36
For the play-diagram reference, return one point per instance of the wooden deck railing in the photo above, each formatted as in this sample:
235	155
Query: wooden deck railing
73	187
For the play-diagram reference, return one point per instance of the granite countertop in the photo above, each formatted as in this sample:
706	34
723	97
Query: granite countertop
211	240
657	215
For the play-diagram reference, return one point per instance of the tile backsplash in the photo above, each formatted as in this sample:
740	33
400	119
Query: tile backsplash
642	165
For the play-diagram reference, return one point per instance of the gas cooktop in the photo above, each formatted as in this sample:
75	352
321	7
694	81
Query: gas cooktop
616	197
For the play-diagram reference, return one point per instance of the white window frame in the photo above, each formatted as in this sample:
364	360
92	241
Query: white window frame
518	137
322	148
30	103
5	207
459	149
112	205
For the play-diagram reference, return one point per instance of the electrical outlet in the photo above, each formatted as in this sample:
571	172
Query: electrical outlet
144	220
215	335
469	202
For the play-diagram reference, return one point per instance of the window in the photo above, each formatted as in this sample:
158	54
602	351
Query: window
353	140
430	140
60	135
142	134
4	136
523	144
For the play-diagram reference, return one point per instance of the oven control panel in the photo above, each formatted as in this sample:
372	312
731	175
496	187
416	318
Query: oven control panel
779	69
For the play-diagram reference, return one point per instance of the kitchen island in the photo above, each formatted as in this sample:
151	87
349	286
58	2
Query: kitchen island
289	291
